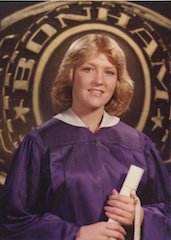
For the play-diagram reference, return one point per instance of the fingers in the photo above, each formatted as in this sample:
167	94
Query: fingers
101	231
124	205
113	226
122	198
115	235
120	208
126	220
115	231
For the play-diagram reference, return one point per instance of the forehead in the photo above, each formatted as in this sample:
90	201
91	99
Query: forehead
102	58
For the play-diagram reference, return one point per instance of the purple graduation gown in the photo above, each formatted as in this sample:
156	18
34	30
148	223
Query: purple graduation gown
62	176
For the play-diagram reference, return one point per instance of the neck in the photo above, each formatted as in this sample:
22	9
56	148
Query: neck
91	119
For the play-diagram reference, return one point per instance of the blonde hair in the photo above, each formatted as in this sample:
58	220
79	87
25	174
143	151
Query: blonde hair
76	55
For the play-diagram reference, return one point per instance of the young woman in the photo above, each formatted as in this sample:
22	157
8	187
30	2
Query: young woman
67	173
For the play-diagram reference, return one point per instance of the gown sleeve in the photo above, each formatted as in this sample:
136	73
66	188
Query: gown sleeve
157	199
21	217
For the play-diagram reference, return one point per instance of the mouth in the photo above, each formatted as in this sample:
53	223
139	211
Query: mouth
96	92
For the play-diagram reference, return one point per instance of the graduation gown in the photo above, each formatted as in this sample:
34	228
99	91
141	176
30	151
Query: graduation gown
62	175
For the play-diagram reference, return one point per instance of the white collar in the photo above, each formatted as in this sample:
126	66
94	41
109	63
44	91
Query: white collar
71	118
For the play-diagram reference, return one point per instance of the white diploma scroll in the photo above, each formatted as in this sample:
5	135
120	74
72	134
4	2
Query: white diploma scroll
131	182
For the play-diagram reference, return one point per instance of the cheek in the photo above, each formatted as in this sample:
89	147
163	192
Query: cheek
76	81
112	85
79	80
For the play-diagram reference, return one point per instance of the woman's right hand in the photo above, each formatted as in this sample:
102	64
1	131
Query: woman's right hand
101	231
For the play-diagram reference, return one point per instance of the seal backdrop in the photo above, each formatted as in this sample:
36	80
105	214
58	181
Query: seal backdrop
34	40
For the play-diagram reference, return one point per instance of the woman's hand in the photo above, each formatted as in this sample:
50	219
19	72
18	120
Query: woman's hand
121	209
101	231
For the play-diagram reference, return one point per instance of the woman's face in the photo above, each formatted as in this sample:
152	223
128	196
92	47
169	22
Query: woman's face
94	83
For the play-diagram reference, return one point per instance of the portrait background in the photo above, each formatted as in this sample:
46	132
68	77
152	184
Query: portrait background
34	38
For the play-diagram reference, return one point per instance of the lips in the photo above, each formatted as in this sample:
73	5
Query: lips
96	92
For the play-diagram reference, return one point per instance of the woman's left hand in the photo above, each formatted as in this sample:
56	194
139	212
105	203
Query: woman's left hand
120	209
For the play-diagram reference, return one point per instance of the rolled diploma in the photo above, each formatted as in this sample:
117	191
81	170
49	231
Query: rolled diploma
131	182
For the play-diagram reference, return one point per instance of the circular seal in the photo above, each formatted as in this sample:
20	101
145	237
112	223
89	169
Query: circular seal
30	65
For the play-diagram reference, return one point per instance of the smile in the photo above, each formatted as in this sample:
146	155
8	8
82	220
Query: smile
96	92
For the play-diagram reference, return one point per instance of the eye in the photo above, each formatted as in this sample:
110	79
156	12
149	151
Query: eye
87	69
110	73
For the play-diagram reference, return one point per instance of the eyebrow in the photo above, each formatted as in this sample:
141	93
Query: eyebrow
93	64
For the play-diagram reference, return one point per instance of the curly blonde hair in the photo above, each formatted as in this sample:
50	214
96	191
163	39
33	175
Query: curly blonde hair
76	55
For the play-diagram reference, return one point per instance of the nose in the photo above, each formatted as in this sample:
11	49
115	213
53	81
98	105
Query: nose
98	78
